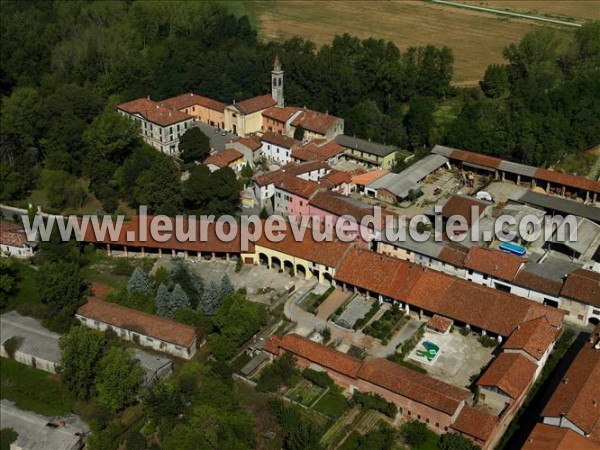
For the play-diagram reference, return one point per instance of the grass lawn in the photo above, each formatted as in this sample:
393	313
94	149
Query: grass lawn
33	389
332	404
305	393
27	296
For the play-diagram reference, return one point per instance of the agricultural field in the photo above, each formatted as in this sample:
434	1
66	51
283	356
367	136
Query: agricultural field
477	38
571	10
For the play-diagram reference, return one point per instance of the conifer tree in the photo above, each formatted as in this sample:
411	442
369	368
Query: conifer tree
139	282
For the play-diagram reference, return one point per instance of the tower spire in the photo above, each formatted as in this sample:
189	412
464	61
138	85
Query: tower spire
277	82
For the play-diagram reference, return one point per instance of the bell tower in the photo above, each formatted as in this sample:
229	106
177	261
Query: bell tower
277	83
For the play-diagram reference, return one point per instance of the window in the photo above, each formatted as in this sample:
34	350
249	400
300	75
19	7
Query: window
437	424
419	416
427	420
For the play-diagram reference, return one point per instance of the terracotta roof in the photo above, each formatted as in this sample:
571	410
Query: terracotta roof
510	372
328	253
154	112
365	179
439	323
582	285
190	99
537	282
318	151
252	142
533	337
337	177
341	205
255	104
209	243
475	423
100	291
548	437
566	179
378	273
280	114
138	321
577	397
480	306
315	121
475	158
321	355
413	385
272	344
12	234
289	183
453	255
495	263
459	205
223	158
304	167
280	140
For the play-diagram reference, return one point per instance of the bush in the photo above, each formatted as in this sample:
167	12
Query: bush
414	433
488	341
321	379
408	345
455	441
239	264
465	331
12	344
277	374
386	325
375	402
361	322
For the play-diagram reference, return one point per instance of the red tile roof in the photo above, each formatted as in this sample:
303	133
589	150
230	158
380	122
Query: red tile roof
463	301
510	372
322	355
413	385
280	140
582	285
566	179
138	321
364	179
439	323
533	337
255	104
272	344
453	254
315	121
289	183
318	151
12	234
537	282
304	167
154	112
341	205
210	241
280	114
577	397
190	99
475	423
495	263
337	177
223	158
548	437
252	142
475	158
328	253
459	205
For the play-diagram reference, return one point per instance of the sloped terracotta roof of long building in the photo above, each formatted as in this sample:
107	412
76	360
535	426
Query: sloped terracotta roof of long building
475	423
190	99
583	285
567	179
315	121
495	263
255	104
549	437
154	112
138	321
533	337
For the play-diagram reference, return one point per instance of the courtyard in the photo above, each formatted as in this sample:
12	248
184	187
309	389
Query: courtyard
459	357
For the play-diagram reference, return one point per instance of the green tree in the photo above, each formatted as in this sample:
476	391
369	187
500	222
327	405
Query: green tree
81	350
163	400
495	81
419	122
247	171
194	145
112	136
211	298
139	282
163	297
159	188
456	441
226	288
179	300
414	433
8	278
20	125
62	290
118	379
306	434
